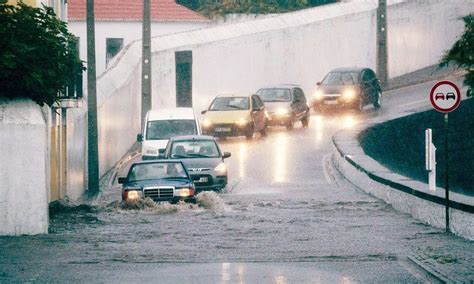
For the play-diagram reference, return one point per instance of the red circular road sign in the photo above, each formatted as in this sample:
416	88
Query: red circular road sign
445	96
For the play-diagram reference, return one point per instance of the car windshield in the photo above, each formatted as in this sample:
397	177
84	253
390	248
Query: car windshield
150	171
194	149
341	78
275	95
165	129
230	103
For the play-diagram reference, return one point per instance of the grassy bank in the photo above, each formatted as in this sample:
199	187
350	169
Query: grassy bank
400	146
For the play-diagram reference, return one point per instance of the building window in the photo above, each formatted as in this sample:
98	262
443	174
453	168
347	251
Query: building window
113	46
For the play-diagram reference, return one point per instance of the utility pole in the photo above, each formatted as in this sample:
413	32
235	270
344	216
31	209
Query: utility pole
146	61
92	133
382	54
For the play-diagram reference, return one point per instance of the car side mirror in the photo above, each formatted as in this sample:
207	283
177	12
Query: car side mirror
203	112
226	155
121	180
318	84
139	137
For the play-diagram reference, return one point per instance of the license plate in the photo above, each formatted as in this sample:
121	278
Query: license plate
330	102
202	180
222	129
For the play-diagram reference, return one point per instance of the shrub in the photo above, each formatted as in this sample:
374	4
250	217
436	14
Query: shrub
37	53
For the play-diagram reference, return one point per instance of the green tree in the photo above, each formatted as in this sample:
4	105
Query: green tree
37	53
462	52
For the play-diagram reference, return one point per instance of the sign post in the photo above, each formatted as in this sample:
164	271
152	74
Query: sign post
445	97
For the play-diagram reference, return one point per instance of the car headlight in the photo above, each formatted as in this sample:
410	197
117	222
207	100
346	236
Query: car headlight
185	192
221	168
206	123
349	95
318	96
132	194
282	112
242	122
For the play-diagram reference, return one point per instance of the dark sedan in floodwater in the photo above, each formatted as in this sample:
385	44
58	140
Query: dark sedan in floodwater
160	180
203	159
348	87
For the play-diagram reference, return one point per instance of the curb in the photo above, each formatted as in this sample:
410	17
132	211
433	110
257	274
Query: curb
430	271
401	187
122	161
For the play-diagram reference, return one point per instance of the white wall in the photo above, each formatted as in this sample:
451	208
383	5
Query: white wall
23	168
420	32
127	30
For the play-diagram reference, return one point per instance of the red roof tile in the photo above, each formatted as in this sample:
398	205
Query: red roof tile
132	10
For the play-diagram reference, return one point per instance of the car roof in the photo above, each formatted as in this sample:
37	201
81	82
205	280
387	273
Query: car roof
282	86
158	161
348	69
171	113
192	137
234	95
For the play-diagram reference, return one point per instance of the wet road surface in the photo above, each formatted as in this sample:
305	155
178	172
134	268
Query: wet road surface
287	216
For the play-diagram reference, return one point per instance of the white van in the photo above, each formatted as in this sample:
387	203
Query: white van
162	124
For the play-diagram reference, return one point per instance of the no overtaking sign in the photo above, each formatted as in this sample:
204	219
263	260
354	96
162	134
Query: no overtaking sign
445	96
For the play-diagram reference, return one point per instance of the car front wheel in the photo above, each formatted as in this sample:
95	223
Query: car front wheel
305	119
359	106
290	124
249	132
378	100
263	131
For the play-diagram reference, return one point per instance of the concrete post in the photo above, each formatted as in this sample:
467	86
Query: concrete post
146	61
382	53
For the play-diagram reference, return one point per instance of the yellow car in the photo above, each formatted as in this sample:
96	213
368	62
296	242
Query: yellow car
235	116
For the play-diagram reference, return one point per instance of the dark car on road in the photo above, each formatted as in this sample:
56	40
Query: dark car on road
285	104
160	180
202	158
350	88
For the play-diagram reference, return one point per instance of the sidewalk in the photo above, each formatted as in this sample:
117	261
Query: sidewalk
423	75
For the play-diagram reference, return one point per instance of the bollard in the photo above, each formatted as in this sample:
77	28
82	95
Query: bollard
430	159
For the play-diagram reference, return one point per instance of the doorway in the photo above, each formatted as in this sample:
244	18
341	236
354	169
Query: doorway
184	74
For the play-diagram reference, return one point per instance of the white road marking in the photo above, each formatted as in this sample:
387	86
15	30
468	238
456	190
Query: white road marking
325	169
414	103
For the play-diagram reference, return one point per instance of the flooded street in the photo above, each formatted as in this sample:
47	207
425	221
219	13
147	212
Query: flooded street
286	216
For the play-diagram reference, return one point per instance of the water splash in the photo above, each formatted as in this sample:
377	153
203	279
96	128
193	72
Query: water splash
211	201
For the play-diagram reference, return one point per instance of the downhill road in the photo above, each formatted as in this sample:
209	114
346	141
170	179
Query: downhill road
287	215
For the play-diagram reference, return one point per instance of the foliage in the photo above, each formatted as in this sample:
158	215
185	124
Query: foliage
222	7
37	53
462	52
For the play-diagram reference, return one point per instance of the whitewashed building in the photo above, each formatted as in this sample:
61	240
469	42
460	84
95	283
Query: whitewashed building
119	22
